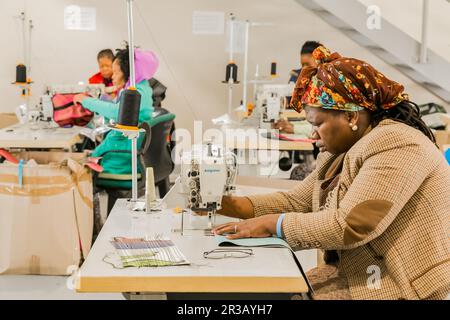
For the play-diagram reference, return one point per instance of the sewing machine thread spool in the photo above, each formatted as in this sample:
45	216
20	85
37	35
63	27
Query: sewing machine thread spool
273	69
21	73
285	162
231	72
129	108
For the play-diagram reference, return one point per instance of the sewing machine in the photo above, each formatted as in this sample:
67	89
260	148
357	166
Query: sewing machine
269	103
207	173
45	107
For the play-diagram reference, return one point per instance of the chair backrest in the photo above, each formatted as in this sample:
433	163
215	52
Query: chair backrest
147	138
158	154
159	91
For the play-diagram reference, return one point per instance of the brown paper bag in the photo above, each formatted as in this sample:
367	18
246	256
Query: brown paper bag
45	224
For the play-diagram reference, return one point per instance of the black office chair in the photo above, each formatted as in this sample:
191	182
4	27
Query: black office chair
159	92
159	153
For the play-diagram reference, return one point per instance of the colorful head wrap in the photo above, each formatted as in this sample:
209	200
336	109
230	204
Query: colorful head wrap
344	84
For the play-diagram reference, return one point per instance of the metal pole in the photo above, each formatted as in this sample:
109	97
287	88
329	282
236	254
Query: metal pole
231	36
424	45
131	42
230	81
230	96
28	63
24	40
256	80
244	98
25	86
134	186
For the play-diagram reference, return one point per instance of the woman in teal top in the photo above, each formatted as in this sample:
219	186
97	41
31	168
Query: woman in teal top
146	64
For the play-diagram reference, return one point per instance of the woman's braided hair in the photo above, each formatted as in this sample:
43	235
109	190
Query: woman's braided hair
406	112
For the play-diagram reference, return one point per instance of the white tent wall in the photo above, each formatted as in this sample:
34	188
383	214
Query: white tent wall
192	66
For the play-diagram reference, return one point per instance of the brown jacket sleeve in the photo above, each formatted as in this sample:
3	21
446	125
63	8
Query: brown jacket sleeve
392	169
297	200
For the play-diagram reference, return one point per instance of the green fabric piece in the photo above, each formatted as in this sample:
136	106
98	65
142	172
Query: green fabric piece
223	241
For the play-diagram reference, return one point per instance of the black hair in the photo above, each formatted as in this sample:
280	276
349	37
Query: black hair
309	46
407	112
124	61
105	53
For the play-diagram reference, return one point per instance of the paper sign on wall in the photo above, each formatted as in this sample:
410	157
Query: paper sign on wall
79	18
208	22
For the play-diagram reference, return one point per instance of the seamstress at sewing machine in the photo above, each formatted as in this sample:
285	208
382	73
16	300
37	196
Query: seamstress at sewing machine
146	63
306	60
378	199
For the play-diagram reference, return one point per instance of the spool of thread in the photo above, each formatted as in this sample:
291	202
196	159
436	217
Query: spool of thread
273	69
231	72
130	105
285	162
150	195
21	73
250	107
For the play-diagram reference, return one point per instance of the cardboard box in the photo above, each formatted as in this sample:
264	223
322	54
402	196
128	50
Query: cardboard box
46	223
7	119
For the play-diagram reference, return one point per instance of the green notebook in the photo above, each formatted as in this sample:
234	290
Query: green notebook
223	241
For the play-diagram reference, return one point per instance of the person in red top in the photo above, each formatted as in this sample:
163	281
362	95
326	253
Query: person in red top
104	76
104	59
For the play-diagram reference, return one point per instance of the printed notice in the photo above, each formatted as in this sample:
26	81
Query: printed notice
208	22
79	18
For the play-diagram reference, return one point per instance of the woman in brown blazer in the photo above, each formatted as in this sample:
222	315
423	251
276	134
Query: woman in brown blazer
378	201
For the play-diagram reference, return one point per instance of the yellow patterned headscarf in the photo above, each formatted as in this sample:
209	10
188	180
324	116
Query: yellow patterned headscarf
345	84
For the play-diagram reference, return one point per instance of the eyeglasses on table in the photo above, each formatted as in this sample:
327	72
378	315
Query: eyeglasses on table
227	253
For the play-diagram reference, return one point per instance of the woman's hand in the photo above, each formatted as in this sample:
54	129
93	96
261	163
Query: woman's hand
78	99
260	227
284	126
